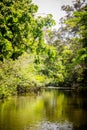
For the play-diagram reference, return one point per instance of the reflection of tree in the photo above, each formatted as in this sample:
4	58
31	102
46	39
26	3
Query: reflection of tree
52	106
49	105
63	106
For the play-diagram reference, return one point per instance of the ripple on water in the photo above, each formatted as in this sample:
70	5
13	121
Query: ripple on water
51	126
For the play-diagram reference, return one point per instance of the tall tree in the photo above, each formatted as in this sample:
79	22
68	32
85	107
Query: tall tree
75	26
70	42
19	28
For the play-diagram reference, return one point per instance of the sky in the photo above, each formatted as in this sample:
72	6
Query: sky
52	7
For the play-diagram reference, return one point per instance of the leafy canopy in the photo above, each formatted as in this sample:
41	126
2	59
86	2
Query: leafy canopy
19	28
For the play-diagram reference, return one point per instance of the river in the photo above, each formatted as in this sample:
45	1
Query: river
47	110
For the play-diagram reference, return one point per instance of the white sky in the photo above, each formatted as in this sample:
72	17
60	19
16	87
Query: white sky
52	7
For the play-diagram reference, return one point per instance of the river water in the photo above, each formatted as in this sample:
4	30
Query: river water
48	110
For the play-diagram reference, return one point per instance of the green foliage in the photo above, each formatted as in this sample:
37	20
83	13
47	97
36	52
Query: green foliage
19	28
70	42
21	75
16	24
22	46
42	56
77	25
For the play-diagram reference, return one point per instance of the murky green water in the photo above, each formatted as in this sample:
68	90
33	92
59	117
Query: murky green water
49	110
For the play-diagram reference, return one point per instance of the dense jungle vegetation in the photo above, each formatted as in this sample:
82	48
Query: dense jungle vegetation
33	55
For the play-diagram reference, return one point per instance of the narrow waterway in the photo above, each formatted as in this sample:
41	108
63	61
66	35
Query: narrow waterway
49	110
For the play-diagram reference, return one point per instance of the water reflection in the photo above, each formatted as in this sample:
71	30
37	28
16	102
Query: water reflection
54	110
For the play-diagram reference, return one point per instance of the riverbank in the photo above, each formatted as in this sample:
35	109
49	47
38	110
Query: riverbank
23	90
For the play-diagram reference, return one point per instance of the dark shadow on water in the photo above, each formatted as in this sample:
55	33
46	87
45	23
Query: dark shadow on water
83	127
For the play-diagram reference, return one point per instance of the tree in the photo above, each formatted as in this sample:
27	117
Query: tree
19	28
75	25
70	42
17	21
